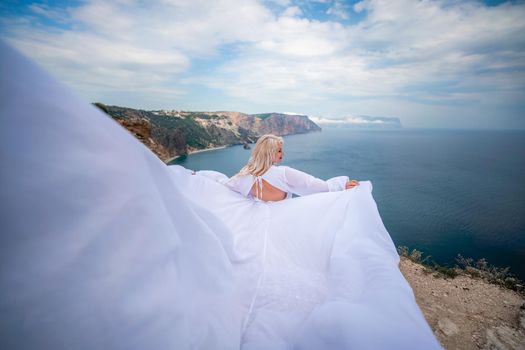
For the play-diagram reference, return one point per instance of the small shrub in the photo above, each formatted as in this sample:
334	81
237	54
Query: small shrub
102	107
446	272
415	255
491	273
402	250
472	271
479	269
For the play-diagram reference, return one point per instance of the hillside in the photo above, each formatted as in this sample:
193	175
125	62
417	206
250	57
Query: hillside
172	133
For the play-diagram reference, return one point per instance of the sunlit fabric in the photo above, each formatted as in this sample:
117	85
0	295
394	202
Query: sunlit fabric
103	246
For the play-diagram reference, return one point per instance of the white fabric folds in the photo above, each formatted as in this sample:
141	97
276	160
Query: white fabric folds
103	246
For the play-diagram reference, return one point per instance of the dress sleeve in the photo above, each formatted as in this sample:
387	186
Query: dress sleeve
303	184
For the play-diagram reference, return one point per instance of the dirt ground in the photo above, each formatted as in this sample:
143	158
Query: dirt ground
466	312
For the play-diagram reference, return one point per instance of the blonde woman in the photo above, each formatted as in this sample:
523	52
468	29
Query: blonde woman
261	179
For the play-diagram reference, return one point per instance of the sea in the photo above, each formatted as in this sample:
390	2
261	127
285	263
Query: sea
444	192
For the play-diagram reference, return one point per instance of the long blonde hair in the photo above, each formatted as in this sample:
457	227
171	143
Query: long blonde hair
262	156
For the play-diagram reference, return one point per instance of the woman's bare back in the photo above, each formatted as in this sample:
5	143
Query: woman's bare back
269	192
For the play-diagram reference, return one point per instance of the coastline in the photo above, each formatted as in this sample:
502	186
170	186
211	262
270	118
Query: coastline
195	151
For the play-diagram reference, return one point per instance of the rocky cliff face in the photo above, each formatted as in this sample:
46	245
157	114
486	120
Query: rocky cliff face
271	123
141	128
172	133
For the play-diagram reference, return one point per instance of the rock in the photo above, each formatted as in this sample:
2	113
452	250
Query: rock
462	318
522	319
160	141
448	327
503	338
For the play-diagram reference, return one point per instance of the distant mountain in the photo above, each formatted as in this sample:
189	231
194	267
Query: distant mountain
361	121
172	133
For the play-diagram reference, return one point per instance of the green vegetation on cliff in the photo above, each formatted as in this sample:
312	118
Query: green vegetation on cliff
480	269
195	135
173	133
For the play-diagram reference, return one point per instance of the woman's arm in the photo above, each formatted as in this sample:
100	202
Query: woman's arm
302	183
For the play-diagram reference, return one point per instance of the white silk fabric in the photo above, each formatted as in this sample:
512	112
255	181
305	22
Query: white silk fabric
103	246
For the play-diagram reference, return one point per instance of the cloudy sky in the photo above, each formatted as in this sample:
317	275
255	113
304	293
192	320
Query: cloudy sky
445	64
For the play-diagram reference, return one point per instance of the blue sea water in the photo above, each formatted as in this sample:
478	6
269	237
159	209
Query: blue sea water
443	192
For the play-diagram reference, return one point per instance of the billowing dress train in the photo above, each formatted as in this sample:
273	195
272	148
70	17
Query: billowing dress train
103	246
315	271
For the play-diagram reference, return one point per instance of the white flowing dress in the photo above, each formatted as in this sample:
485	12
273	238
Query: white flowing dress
103	246
315	271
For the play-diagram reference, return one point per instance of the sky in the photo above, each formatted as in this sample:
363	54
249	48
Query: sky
432	64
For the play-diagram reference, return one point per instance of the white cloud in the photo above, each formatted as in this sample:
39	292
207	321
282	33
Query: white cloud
131	44
292	11
280	2
426	52
361	6
338	9
44	10
348	120
420	50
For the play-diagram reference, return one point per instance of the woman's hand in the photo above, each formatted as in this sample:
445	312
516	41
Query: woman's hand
351	184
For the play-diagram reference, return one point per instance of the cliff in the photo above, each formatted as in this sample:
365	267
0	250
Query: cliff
467	312
478	306
172	133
